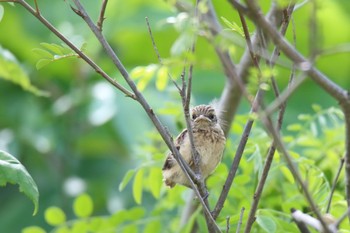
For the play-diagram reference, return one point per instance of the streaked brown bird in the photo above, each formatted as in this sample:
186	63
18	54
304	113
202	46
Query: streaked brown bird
209	141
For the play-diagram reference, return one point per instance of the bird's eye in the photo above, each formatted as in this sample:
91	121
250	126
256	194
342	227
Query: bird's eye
194	116
211	116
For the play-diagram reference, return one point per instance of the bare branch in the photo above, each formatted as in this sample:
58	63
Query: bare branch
75	49
323	81
101	17
332	88
140	98
153	42
240	220
227	224
334	185
272	149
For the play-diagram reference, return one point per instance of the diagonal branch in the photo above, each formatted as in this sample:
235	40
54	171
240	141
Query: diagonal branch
74	48
322	80
140	98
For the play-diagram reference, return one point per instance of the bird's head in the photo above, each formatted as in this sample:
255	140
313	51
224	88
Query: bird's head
203	116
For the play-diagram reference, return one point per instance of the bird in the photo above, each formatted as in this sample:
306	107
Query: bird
209	141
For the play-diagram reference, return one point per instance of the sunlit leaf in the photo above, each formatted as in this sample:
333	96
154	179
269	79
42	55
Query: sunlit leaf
233	26
126	179
294	127
287	174
304	117
83	206
11	70
317	108
137	72
162	78
33	229
137	186
12	171
54	216
154	182
266	223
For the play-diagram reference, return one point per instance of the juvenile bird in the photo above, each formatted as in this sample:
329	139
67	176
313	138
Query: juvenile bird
209	141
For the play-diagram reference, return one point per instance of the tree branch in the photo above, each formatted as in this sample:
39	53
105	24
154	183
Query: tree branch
332	88
101	17
73	47
140	98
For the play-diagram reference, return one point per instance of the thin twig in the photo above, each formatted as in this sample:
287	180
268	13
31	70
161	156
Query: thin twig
292	167
140	98
153	41
331	87
37	7
160	60
272	149
247	129
101	17
75	49
238	156
323	81
334	185
240	221
227	224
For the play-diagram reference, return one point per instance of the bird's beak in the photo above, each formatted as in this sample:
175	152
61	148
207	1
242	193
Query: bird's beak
202	118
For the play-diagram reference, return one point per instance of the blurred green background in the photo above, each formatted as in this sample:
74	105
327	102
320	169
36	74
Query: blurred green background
86	135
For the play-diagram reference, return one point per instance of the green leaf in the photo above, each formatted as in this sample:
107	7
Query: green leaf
12	171
266	223
287	174
33	229
126	179
155	184
11	71
137	72
137	186
294	127
135	213
130	229
233	26
153	226
317	108
43	53
162	78
56	49
83	206
42	62
54	216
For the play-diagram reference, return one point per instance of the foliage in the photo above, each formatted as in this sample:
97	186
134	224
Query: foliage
83	139
280	195
12	171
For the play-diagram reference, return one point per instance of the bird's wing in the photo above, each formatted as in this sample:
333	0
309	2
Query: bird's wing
170	160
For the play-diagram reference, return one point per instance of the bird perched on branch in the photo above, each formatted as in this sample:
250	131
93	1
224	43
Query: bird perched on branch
209	141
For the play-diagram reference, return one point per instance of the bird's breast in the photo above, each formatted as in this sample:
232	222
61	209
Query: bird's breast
210	146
